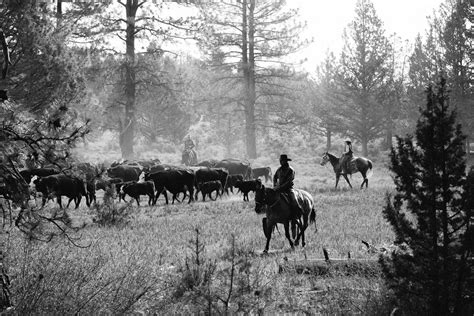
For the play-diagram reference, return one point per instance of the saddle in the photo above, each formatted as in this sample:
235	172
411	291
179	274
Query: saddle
349	166
286	197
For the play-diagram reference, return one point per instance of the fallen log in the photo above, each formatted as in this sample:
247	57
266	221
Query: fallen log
345	267
327	266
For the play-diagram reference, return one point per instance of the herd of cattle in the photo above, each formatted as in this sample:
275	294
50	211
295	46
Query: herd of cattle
136	178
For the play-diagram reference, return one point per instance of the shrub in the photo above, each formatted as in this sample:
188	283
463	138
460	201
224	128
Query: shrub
110	213
432	215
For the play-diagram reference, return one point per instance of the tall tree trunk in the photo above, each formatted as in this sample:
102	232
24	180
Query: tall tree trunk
365	149
250	121
126	145
59	12
468	147
248	71
388	135
328	138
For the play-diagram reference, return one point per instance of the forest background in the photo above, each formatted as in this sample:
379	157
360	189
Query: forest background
226	73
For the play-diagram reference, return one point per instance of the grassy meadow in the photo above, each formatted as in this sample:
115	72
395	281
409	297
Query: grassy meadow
206	257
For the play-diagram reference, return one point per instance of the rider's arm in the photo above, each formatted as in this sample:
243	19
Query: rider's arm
275	178
287	182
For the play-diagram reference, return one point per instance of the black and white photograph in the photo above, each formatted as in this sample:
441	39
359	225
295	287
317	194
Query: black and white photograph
237	157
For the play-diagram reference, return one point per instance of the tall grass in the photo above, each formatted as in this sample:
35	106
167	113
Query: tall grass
136	267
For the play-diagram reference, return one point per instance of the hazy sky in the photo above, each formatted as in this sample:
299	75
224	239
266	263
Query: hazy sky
327	18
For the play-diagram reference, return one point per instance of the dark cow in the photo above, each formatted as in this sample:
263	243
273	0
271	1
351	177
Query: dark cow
135	189
206	188
14	188
27	174
59	185
246	186
174	180
210	174
89	173
231	181
126	173
262	172
211	163
235	166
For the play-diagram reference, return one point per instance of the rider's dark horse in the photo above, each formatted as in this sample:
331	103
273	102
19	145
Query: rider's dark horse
278	210
358	164
189	157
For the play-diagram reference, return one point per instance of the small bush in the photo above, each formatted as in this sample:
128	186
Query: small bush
229	284
110	213
62	280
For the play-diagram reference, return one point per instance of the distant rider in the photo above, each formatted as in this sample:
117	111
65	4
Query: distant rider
188	143
347	157
189	156
283	183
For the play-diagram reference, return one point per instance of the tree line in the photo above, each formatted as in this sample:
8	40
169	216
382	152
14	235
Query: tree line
121	58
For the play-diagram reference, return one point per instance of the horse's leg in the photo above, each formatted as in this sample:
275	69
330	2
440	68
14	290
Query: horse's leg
347	179
287	233
301	232
268	233
293	229
338	175
365	179
305	225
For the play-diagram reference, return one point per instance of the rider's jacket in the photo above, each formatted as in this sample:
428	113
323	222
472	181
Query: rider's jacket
188	144
283	179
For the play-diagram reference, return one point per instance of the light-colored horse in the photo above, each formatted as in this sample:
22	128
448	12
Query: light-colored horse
358	164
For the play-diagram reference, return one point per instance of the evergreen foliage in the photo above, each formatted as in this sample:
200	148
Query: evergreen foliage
431	214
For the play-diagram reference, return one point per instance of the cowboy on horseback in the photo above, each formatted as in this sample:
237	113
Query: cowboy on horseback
189	156
188	143
346	158
283	183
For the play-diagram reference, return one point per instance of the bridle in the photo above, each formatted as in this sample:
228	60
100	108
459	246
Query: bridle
325	159
265	201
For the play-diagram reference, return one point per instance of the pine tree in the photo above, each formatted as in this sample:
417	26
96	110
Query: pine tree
431	214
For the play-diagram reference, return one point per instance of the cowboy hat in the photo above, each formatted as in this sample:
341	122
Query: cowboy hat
285	158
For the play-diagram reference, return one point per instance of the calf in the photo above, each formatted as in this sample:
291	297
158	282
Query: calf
262	172
208	187
118	189
135	189
231	181
210	174
246	186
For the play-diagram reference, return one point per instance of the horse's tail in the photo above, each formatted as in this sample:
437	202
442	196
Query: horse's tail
312	218
370	171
